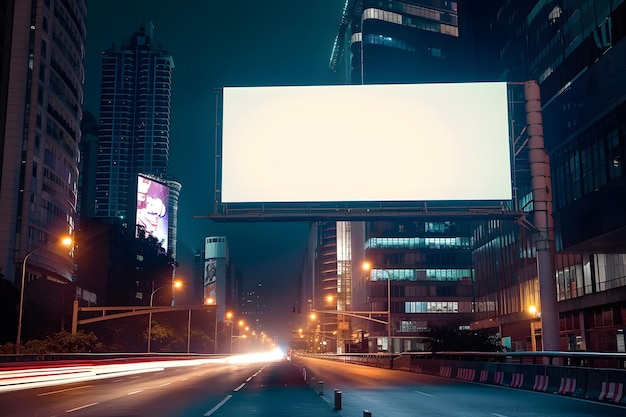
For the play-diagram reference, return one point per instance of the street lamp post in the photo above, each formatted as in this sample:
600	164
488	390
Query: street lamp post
177	284
19	320
66	241
367	267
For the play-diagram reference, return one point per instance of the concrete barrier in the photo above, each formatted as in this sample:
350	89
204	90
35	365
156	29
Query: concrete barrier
466	374
555	376
541	383
611	391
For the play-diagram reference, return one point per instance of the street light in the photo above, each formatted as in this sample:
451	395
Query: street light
66	241
229	320
177	284
367	267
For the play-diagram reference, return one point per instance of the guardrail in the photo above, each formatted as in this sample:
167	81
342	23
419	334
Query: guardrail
51	357
588	375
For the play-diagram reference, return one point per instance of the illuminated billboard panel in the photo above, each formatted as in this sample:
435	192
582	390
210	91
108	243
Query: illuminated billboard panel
152	212
210	281
417	142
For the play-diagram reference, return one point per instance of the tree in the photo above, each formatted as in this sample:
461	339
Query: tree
60	342
451	339
164	338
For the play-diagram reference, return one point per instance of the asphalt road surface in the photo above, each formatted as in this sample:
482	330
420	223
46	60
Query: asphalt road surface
280	389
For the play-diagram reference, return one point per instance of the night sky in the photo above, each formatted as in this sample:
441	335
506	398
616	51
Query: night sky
216	44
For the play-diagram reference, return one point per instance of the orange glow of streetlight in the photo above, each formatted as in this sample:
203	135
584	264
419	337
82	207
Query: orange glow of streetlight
229	315
241	322
532	310
67	241
330	298
313	316
367	266
210	301
178	284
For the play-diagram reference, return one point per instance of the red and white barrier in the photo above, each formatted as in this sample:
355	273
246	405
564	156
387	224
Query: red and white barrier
483	375
465	374
517	380
568	385
498	377
541	383
611	391
445	371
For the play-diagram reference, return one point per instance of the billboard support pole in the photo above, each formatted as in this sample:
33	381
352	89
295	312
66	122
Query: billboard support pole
542	210
217	196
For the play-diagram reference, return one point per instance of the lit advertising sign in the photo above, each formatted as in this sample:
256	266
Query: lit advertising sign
152	208
210	278
400	142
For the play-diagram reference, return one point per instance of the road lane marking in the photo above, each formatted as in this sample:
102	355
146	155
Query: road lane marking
164	385
426	394
498	415
249	378
217	407
240	387
80	408
184	379
63	390
134	392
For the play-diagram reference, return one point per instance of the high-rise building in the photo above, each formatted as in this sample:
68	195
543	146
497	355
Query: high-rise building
41	62
126	156
217	276
575	50
134	132
252	306
401	42
421	271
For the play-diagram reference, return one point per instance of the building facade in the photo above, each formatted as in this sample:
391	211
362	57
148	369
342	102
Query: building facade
421	272
43	48
575	51
400	42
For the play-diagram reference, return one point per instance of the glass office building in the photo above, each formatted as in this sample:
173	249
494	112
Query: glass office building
421	271
576	51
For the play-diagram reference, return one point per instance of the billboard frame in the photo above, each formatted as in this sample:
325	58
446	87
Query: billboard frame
359	210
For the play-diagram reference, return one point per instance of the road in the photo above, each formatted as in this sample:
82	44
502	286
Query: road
222	389
271	388
389	393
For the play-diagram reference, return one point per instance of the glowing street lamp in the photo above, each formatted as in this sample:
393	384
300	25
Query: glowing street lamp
367	267
66	241
176	284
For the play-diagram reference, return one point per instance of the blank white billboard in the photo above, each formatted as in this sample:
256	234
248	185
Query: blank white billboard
417	142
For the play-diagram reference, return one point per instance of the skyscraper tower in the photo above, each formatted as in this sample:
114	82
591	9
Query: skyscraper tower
134	136
421	270
41	58
41	134
401	42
